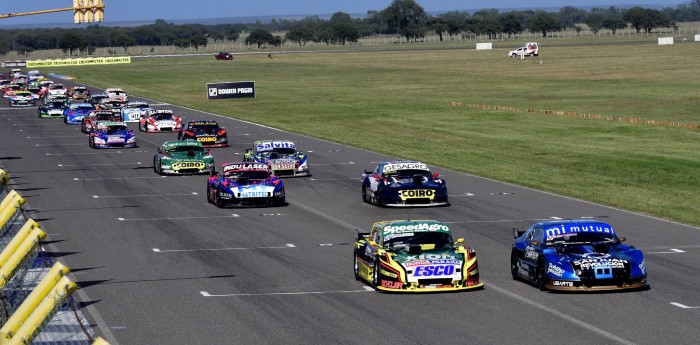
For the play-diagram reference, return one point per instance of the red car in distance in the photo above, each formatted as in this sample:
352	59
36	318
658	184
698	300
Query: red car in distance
224	56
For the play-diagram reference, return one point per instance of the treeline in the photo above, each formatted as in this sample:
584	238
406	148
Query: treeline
404	18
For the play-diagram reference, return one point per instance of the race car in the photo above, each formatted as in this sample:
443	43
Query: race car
56	89
415	256
10	89
79	93
94	117
576	255
35	91
206	132
97	97
116	93
245	184
403	184
135	110
183	157
74	114
160	121
54	108
281	156
109	104
56	98
22	99
111	134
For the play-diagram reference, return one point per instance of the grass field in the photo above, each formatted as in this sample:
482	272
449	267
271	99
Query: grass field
397	102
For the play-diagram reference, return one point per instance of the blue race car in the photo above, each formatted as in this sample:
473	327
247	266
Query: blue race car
245	184
281	156
106	135
75	114
403	184
576	255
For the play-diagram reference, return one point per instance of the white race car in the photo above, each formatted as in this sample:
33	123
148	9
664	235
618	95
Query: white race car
116	93
160	121
135	110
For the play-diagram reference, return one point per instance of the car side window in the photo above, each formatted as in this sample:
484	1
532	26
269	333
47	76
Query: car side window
538	234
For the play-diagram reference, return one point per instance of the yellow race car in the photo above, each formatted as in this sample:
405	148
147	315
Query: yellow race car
415	256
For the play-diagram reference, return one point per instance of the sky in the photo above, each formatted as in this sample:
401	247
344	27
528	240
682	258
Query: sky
150	10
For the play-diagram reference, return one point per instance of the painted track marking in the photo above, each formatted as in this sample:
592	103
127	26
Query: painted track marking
684	306
157	250
172	218
142	195
115	178
365	289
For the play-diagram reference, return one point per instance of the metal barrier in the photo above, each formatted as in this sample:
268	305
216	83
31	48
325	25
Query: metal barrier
35	298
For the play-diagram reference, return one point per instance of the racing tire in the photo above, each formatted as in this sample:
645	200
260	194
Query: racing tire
364	194
91	142
155	166
513	265
209	194
217	200
541	275
356	267
375	276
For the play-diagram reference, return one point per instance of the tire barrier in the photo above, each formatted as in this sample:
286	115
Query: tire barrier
625	119
33	288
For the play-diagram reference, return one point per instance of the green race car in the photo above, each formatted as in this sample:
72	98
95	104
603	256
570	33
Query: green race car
183	157
53	108
415	256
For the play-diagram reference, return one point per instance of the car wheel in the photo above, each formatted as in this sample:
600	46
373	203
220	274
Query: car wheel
356	267
155	164
541	275
514	265
364	193
208	193
91	142
217	200
375	275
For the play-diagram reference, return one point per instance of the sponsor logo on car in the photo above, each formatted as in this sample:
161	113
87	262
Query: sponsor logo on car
188	165
404	166
417	194
393	229
439	270
556	270
562	283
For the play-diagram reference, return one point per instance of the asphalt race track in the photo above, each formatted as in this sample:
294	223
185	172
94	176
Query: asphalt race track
157	264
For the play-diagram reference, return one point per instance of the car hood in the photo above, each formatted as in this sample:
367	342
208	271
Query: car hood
428	257
183	156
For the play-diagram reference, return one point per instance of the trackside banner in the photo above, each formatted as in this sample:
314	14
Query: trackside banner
78	62
13	64
240	89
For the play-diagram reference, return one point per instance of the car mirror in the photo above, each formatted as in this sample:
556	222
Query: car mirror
460	240
517	233
623	239
248	151
534	243
436	175
369	172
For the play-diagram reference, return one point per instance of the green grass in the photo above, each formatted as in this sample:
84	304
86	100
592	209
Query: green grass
396	102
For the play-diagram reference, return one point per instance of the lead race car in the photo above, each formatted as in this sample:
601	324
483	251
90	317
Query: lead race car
403	184
53	108
414	256
106	135
206	132
183	157
245	184
281	156
576	255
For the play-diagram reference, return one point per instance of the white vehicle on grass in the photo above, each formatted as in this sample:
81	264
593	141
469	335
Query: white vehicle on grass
530	49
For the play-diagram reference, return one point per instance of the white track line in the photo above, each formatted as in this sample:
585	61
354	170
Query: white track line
366	289
157	250
172	218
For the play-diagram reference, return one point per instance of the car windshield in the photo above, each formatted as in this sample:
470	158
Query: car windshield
186	149
208	129
254	175
114	129
137	105
405	240
408	173
279	151
103	116
578	238
55	105
161	117
83	107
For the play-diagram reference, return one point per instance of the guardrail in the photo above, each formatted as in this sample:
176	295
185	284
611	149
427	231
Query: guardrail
33	289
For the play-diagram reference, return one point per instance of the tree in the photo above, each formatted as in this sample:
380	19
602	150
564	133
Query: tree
570	16
544	23
406	18
300	35
438	26
595	20
232	35
510	24
614	24
124	41
344	32
260	37
647	19
70	42
217	36
198	41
